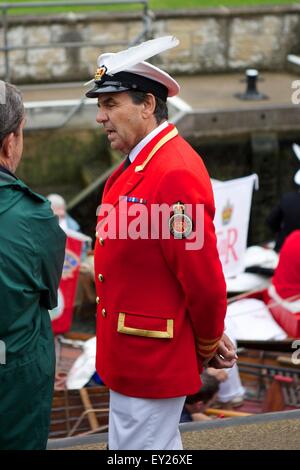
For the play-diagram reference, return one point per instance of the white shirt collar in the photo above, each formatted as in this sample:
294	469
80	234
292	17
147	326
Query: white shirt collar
136	150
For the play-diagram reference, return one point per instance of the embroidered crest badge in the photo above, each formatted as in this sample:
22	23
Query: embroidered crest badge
100	72
180	224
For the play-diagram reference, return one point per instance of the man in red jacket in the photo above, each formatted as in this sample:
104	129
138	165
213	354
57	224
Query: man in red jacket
286	280
160	288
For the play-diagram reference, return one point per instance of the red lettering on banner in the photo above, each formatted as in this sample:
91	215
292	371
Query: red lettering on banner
226	244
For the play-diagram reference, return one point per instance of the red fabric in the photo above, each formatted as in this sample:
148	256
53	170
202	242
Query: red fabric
67	288
154	280
290	322
287	275
286	281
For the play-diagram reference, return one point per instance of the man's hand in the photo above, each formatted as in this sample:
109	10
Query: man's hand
225	356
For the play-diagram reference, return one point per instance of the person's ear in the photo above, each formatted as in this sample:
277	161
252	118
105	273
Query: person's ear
149	105
7	145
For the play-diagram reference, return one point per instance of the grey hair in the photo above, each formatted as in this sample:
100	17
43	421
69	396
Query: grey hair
161	108
11	110
57	200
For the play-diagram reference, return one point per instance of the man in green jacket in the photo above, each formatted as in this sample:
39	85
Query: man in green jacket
32	248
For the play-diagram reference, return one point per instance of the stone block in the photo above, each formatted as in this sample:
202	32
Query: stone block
57	31
178	25
290	34
17	56
291	24
58	70
105	33
272	25
254	42
88	56
28	72
38	35
17	36
46	56
208	47
132	30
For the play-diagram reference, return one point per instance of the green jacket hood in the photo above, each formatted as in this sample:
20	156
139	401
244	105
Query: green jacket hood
12	190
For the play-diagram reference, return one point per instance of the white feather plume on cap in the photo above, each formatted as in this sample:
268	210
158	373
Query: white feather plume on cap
125	59
132	60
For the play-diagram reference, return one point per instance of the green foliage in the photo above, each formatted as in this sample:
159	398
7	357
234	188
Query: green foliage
155	5
159	4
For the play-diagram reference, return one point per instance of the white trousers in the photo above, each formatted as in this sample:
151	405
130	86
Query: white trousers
232	386
143	423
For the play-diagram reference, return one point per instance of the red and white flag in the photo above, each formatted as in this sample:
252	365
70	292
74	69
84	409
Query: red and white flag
62	315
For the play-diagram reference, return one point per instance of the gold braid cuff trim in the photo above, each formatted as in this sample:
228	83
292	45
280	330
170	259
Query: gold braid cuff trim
208	341
207	347
206	355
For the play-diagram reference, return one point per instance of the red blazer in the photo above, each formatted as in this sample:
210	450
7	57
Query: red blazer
160	306
287	274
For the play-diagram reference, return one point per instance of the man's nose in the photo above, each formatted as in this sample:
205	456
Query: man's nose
101	116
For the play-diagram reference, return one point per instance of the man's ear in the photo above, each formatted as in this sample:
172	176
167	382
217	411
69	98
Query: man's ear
7	145
149	105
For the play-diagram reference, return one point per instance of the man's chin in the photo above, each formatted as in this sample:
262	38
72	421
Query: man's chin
116	146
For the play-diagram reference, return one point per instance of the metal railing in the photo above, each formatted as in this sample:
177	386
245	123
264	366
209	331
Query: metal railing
6	7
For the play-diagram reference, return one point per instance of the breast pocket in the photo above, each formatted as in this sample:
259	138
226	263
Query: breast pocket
153	326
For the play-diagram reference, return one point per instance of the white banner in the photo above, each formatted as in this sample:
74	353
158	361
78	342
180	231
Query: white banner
233	203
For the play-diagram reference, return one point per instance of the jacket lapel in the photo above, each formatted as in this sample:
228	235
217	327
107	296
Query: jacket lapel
113	177
122	185
122	182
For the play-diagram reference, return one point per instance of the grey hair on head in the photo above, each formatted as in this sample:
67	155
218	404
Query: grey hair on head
11	109
161	108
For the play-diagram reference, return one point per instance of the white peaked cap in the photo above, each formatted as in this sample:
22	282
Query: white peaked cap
127	70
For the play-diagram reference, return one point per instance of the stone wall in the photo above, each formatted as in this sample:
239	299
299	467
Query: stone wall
213	40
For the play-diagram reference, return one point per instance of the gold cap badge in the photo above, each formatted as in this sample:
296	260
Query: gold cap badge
100	72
